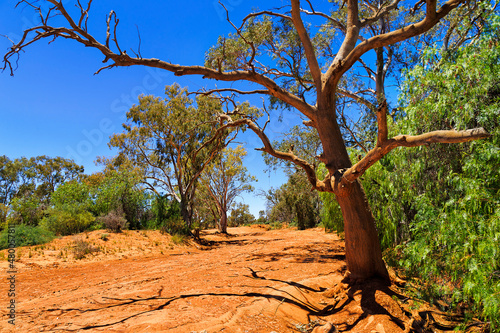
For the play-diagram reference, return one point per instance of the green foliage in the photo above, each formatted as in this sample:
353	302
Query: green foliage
294	202
25	235
4	210
67	220
73	193
240	215
330	212
164	210
119	190
27	210
439	206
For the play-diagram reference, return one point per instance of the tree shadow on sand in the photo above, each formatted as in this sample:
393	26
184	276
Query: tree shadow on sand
281	296
370	296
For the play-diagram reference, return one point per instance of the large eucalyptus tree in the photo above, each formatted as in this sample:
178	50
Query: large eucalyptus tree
300	67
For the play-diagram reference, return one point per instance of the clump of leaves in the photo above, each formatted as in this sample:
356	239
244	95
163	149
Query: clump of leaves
175	226
114	221
81	248
104	237
179	239
67	220
25	235
439	206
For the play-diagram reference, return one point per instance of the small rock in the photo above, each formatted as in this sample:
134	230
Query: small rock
327	328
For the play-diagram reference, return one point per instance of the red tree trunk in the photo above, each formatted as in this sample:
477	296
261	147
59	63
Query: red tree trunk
363	252
223	222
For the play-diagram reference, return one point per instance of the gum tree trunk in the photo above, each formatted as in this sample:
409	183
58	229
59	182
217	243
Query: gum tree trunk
223	222
363	252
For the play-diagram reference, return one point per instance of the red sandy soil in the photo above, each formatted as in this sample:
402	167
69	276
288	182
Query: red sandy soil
252	280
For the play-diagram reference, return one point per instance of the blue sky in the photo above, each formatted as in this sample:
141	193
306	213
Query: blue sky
55	106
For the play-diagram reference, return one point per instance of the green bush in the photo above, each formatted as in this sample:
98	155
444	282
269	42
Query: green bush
175	226
67	220
25	235
439	206
27	210
4	210
166	212
179	239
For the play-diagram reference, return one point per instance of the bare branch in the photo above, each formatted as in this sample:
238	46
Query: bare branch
381	12
264	12
240	92
138	53
349	56
335	22
385	147
268	148
357	98
122	59
84	14
238	31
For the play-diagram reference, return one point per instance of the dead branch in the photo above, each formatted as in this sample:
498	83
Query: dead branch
240	92
238	31
335	22
355	96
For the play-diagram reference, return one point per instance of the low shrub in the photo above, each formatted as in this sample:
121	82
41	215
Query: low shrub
175	225
81	248
25	235
179	239
67	220
114	221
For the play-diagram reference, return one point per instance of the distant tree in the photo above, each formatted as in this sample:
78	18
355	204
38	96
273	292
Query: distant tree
27	184
262	217
172	140
206	213
240	215
295	202
224	179
52	172
8	179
